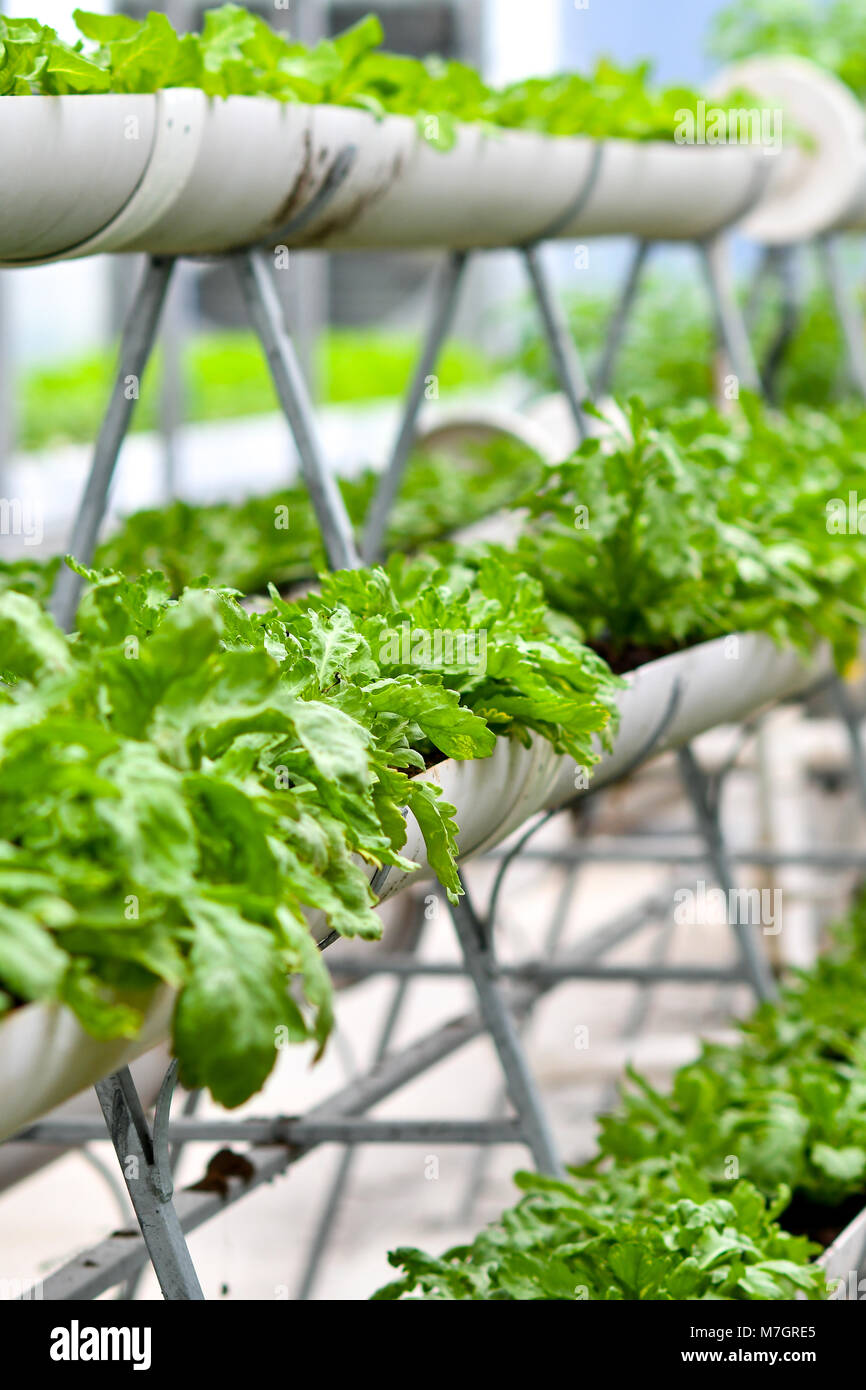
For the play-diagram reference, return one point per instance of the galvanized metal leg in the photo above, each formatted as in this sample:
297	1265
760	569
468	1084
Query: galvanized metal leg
266	316
763	272
478	954
188	1109
339	1181
850	320
706	811
144	1162
563	349
553	936
605	939
730	327
135	348
778	263
447	294
616	329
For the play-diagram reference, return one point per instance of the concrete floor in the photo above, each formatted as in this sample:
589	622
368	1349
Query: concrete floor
401	1196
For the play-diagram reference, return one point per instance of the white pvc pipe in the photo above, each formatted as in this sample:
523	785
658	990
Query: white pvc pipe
511	187
68	165
18	1161
47	1057
492	189
821	183
660	190
178	173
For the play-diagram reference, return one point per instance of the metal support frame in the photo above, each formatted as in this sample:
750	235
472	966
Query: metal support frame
850	321
119	1257
705	803
505	993
619	322
343	1173
847	713
563	349
476	942
447	293
144	1162
779	264
645	849
564	353
300	1132
137	339
145	1156
783	265
266	316
552	938
173	386
8	423
730	328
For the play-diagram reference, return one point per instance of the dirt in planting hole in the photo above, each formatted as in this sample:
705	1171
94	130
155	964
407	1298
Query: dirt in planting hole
621	660
820	1223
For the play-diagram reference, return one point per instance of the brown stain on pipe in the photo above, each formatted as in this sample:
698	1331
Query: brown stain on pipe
300	190
343	221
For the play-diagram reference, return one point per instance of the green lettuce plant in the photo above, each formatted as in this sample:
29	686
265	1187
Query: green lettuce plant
276	539
787	1101
654	1232
662	1211
182	781
831	33
237	53
675	527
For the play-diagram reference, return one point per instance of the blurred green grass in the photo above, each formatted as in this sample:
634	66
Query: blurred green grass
225	377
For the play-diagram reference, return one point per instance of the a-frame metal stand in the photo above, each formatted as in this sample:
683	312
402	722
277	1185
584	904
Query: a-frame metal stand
782	266
142	1153
137	341
565	358
144	1160
702	791
504	994
730	329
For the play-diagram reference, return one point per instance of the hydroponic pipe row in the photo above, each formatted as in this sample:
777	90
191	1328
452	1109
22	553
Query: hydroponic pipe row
48	1057
88	174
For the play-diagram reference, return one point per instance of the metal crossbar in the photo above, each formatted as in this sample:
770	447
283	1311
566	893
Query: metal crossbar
118	1258
295	1132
